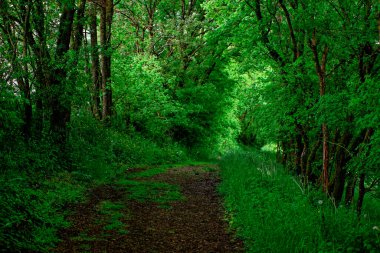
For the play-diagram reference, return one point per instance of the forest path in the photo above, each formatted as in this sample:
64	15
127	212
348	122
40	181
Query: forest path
165	209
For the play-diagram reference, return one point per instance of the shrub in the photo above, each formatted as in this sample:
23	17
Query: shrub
272	212
32	209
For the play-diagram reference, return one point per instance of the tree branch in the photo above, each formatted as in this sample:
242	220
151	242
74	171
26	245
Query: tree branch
296	53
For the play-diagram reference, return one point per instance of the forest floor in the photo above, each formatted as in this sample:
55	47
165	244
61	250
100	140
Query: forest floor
165	209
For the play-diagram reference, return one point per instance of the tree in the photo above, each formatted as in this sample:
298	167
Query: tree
95	65
46	63
315	65
106	15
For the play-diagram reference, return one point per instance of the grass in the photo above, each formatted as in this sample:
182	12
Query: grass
113	216
32	208
155	192
150	172
83	237
273	214
37	187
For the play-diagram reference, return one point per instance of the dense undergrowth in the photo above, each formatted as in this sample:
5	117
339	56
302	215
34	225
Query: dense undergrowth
38	187
273	212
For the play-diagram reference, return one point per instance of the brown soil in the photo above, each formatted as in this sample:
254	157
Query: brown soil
193	225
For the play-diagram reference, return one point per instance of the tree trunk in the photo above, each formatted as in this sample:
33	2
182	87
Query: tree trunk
28	110
304	155
285	155
340	172
310	159
105	40
361	194
79	26
38	44
95	67
298	154
350	190
362	189
320	67
60	103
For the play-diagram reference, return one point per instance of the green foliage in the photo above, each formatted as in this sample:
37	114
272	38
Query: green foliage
365	107
273	212
152	171
141	99
208	125
173	85
109	151
297	72
114	216
32	209
10	119
193	77
36	190
156	192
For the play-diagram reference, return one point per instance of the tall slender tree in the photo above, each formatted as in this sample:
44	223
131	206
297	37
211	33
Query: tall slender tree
95	65
106	16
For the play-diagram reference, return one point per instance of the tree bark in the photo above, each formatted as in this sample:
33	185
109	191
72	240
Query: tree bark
41	68
59	102
353	148
313	153
264	34
298	154
28	111
304	154
105	40
362	192
320	67
350	190
79	26
341	159
95	66
362	189
296	51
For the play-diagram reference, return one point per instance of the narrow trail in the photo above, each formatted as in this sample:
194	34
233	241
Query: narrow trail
180	212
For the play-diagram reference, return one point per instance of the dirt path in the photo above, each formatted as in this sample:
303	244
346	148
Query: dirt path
175	211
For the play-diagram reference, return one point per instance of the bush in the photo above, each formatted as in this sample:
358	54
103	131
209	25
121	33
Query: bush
37	185
100	151
272	212
32	209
